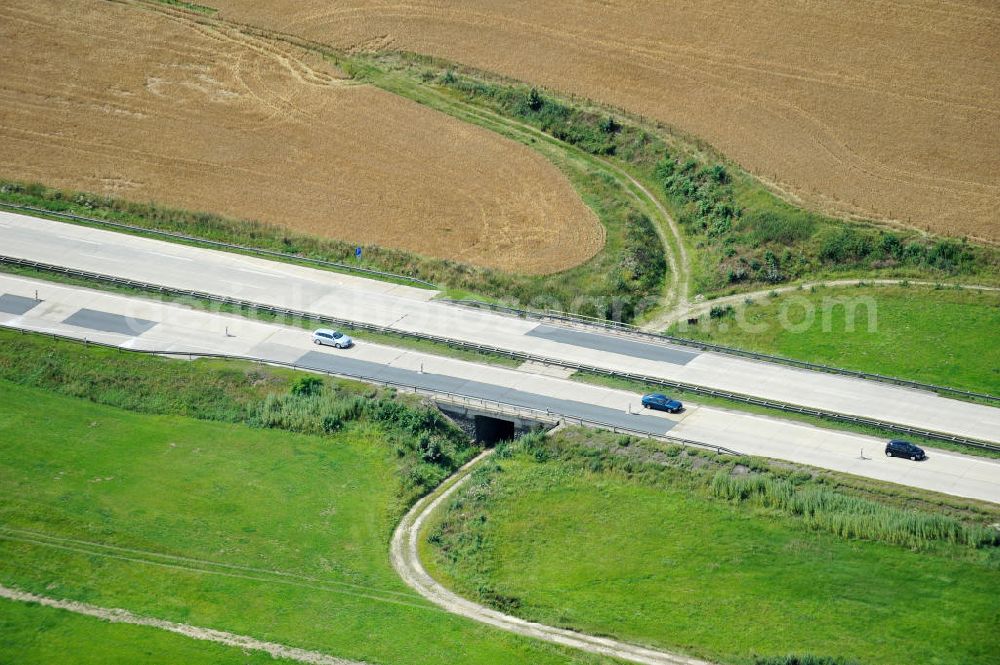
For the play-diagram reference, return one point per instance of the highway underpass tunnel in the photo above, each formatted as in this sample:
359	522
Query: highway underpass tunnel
490	430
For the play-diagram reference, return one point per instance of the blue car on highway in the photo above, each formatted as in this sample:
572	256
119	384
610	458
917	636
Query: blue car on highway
661	403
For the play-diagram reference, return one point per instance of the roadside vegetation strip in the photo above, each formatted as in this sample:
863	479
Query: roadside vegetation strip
405	557
218	244
617	536
484	348
115	615
490	405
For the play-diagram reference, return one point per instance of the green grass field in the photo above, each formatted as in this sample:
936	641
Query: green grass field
35	635
647	555
943	336
151	513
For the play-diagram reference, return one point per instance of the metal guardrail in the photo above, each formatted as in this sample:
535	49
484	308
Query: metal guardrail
489	405
555	315
218	243
545	314
518	355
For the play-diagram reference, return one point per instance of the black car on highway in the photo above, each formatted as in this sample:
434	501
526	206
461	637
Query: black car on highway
661	403
899	448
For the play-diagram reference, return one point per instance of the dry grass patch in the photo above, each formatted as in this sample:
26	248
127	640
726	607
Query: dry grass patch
149	103
882	109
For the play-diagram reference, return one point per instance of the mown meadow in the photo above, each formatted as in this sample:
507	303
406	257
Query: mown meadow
224	495
727	559
941	335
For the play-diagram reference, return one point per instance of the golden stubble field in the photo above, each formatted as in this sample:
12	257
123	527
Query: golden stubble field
145	104
883	108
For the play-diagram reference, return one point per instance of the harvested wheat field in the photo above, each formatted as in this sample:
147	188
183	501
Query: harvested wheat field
881	108
143	103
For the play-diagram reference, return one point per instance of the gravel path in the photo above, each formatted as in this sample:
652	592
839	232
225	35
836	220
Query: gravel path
406	561
208	634
692	309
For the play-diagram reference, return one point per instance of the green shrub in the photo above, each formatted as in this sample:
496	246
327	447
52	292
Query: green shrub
307	385
720	311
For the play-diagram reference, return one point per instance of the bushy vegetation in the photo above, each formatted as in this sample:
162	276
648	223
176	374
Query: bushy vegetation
849	516
748	237
743	234
428	447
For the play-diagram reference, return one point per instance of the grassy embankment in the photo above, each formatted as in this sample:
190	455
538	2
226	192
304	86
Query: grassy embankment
722	558
943	336
224	464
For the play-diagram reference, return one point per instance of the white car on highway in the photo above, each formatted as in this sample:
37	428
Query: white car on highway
332	338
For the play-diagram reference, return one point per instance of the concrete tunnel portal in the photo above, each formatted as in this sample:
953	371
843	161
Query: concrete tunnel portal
489	428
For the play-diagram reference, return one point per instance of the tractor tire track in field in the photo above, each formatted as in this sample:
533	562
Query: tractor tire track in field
115	615
204	567
406	560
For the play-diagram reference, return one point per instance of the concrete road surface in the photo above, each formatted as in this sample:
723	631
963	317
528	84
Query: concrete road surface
146	324
410	309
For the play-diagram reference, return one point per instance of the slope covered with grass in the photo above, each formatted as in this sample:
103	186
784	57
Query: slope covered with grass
658	547
223	495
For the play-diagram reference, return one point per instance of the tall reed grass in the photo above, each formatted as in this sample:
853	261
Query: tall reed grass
848	516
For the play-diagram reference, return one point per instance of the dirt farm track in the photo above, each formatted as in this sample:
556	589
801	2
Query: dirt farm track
885	108
145	104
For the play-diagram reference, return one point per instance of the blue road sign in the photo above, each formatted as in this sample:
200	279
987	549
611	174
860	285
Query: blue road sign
357	252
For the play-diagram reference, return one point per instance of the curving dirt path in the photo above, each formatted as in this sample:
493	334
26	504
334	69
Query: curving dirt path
676	293
688	309
115	615
406	561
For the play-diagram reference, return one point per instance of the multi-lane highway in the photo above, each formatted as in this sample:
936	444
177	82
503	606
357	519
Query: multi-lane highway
139	323
410	309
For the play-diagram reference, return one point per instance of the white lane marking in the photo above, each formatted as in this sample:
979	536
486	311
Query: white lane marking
171	256
101	257
256	272
239	283
72	239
